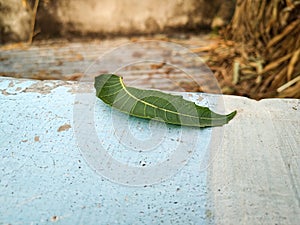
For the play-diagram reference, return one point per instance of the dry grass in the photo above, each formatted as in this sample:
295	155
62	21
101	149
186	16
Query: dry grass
259	54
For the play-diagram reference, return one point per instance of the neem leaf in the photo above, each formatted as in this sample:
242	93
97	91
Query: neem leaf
151	104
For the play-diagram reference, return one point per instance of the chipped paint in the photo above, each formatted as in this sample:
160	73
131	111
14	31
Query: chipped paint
252	178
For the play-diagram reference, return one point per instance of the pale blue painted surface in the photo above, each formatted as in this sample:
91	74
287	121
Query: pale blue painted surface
47	180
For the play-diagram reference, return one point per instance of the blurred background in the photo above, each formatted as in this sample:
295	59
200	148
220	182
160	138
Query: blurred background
252	47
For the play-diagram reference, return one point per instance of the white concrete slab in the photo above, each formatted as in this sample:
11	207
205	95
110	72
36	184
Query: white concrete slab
255	178
52	167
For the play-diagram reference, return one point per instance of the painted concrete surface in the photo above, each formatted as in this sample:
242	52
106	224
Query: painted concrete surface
246	172
45	178
256	175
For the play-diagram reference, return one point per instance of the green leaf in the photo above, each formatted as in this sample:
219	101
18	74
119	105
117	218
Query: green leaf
151	104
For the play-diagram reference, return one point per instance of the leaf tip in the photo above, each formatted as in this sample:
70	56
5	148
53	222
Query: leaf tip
231	115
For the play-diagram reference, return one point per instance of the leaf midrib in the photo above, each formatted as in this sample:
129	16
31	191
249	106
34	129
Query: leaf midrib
154	106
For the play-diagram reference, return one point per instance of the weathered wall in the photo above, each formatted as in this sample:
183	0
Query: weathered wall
133	16
111	17
15	21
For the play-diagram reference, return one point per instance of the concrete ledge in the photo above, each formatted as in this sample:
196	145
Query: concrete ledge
250	177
